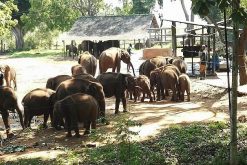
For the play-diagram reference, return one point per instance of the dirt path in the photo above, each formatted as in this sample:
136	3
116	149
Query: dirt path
208	103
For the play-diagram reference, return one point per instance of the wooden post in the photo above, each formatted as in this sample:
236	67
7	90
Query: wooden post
214	39
174	39
64	51
201	39
161	38
1	46
139	41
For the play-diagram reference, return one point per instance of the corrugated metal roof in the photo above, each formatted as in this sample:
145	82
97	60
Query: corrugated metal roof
113	27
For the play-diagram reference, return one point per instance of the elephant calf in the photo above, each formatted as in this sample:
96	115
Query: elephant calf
76	108
38	102
144	82
78	69
9	75
184	85
8	102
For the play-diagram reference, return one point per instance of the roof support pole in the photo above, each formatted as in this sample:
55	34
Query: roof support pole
174	39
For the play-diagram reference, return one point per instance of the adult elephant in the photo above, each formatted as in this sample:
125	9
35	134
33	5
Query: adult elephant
89	62
71	49
8	102
112	57
73	86
115	84
54	82
150	64
38	102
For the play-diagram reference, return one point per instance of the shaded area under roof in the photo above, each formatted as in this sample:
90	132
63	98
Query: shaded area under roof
113	27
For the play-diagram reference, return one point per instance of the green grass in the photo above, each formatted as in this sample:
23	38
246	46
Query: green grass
36	53
197	144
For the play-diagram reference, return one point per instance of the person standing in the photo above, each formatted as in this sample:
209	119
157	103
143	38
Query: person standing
203	62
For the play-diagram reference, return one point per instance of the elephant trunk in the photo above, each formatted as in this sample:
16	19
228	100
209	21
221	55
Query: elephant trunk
20	116
132	68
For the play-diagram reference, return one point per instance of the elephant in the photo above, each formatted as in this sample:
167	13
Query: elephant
73	86
111	58
87	45
78	69
38	102
169	80
54	82
78	107
144	83
180	63
184	85
156	81
71	49
89	62
9	75
8	102
147	66
115	84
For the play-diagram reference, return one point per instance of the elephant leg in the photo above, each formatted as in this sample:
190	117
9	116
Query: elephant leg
117	105
68	121
143	97
15	87
150	96
124	104
51	116
46	116
87	127
188	95
5	116
29	121
93	124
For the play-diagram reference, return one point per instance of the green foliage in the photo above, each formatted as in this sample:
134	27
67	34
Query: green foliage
203	7
142	6
54	15
41	37
6	21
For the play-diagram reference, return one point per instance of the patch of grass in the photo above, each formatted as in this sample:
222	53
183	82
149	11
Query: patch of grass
36	161
197	143
36	53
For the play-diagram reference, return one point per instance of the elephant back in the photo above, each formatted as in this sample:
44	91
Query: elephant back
180	63
88	77
8	99
89	62
54	82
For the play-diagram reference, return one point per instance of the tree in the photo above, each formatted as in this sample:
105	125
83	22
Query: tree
6	21
142	6
239	16
87	7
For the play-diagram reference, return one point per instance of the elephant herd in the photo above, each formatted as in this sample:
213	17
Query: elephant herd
94	48
80	97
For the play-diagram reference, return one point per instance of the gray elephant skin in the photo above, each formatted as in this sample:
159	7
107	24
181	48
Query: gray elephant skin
144	83
73	86
115	84
76	108
36	103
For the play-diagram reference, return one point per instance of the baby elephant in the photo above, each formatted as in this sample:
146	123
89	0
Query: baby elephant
9	75
38	102
144	82
184	85
76	108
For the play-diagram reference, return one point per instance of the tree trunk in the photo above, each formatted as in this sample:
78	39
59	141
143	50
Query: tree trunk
18	33
241	57
212	21
233	114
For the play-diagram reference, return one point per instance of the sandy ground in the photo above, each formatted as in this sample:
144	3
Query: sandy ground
208	103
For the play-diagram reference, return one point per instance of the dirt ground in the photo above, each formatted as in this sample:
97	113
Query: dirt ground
208	103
